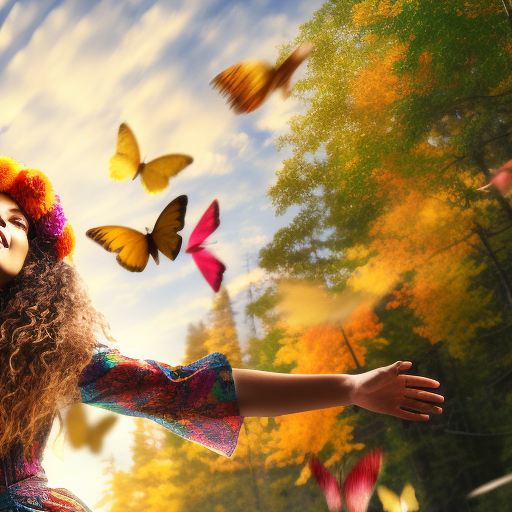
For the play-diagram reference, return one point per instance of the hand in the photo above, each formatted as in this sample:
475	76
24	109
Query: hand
387	390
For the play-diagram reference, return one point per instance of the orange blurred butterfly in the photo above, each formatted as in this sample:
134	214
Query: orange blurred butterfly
155	174
80	433
248	84
133	248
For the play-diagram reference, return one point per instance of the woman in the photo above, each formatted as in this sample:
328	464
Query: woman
50	358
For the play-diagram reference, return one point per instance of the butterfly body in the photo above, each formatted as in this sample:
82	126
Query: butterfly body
139	170
194	249
133	248
154	174
211	268
152	248
81	434
248	84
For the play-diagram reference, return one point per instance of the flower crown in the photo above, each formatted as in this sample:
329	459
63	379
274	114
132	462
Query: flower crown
32	190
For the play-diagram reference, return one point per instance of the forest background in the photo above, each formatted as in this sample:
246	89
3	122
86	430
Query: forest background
407	112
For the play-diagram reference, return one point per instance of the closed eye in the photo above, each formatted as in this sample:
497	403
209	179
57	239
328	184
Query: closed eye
20	223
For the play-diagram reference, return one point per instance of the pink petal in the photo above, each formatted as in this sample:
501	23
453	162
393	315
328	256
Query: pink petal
359	484
327	483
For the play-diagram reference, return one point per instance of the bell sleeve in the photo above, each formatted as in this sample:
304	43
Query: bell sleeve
196	401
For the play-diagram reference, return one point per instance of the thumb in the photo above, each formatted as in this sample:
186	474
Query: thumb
401	366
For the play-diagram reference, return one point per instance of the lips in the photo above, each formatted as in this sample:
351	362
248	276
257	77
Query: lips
5	239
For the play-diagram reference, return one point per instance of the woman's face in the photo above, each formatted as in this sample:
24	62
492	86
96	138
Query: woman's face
13	239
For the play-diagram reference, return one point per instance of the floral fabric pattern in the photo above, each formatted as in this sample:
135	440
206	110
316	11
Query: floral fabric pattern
196	402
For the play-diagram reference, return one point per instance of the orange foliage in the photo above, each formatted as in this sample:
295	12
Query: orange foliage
376	86
320	350
366	13
435	240
299	434
390	9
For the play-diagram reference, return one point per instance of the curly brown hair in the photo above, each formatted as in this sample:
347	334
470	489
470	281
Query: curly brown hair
48	330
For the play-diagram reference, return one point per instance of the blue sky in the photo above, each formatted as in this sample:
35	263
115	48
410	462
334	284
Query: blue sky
71	72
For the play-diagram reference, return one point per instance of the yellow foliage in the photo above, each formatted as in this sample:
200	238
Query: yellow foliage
286	355
357	252
352	163
308	432
370	38
390	9
280	482
364	14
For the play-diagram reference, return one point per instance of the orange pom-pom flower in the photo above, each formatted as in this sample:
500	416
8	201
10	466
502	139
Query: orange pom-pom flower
32	190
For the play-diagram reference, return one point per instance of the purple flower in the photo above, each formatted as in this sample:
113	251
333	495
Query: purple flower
52	224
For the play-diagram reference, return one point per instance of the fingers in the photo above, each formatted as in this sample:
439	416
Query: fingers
413	380
419	382
402	366
424	396
421	406
406	415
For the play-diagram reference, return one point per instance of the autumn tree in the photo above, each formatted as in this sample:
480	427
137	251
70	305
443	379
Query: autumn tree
195	343
408	111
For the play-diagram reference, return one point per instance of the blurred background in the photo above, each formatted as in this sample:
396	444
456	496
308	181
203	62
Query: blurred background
362	185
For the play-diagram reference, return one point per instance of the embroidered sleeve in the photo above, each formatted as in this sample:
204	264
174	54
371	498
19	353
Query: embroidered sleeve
196	402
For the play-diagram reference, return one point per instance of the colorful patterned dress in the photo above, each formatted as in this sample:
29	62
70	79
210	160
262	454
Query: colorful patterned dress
196	402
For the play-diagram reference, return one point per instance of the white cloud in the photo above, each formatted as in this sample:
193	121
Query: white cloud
17	21
243	281
88	67
254	242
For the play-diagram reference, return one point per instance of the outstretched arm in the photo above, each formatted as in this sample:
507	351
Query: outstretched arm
386	390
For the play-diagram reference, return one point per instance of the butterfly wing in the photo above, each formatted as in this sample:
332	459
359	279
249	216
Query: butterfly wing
156	173
285	70
246	84
76	426
125	162
327	483
131	246
211	268
207	224
170	221
408	498
390	501
503	181
96	434
359	484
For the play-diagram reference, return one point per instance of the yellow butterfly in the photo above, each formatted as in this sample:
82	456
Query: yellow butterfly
133	247
392	503
81	434
155	174
249	83
307	303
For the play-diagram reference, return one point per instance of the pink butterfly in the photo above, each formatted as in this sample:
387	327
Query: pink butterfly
358	486
502	179
211	268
